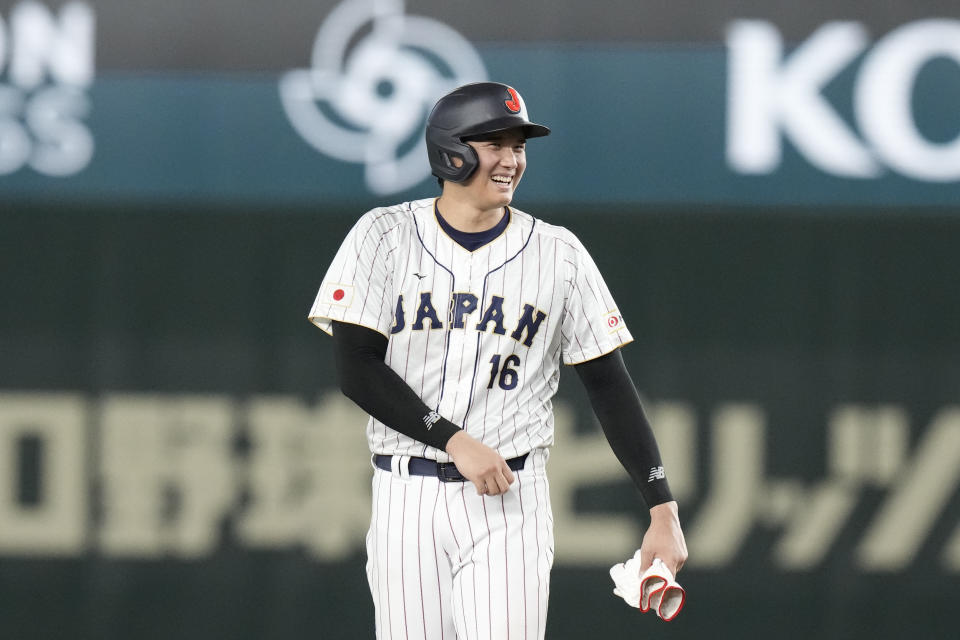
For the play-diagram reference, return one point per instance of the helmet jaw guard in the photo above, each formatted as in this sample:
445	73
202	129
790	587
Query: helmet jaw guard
472	110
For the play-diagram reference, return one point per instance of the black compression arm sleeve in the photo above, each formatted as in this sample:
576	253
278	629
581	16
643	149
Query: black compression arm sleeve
377	389
617	405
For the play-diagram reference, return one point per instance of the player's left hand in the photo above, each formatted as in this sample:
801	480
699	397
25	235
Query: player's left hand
664	539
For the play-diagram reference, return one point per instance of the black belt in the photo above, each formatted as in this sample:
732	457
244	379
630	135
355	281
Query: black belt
446	471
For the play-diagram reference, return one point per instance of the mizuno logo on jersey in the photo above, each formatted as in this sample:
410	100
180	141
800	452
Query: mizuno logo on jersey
462	306
656	473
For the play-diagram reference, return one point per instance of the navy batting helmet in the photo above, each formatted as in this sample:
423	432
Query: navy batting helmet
469	111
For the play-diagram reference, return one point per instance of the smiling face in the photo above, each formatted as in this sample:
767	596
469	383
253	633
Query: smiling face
502	160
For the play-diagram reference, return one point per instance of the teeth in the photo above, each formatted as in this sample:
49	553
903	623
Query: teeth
502	179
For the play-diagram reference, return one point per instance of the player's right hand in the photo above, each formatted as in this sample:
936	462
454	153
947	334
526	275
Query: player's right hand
480	464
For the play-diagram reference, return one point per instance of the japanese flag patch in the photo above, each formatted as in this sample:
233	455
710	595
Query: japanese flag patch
337	294
614	321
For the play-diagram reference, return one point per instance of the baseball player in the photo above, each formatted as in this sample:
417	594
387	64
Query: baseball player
450	318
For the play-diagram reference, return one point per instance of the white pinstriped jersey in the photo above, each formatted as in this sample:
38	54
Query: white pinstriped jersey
479	335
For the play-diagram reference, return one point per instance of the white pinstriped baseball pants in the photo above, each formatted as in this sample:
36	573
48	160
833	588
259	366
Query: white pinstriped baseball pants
446	564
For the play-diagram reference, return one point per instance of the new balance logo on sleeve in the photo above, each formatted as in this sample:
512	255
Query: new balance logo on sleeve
431	419
656	473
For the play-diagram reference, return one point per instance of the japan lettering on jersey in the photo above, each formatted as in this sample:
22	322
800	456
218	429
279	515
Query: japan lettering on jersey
478	335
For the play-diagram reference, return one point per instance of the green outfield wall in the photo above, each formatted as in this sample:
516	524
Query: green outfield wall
647	125
177	461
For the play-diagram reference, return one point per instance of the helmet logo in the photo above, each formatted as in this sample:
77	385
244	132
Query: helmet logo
514	103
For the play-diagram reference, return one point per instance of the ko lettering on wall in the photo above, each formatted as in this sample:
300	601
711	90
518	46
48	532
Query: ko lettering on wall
773	96
46	69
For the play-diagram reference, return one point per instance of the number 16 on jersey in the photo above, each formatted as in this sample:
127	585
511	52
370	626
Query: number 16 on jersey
508	376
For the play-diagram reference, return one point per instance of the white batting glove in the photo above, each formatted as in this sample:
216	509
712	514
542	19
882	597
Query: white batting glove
626	577
654	589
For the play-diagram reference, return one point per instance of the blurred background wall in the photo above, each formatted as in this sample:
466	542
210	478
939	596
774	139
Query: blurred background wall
772	190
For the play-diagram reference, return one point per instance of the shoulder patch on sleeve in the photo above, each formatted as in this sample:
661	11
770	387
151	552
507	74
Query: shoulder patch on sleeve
336	294
614	321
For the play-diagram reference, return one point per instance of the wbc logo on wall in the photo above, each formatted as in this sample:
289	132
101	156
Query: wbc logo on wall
375	73
46	69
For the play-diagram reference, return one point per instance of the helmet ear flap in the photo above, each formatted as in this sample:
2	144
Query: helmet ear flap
444	151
